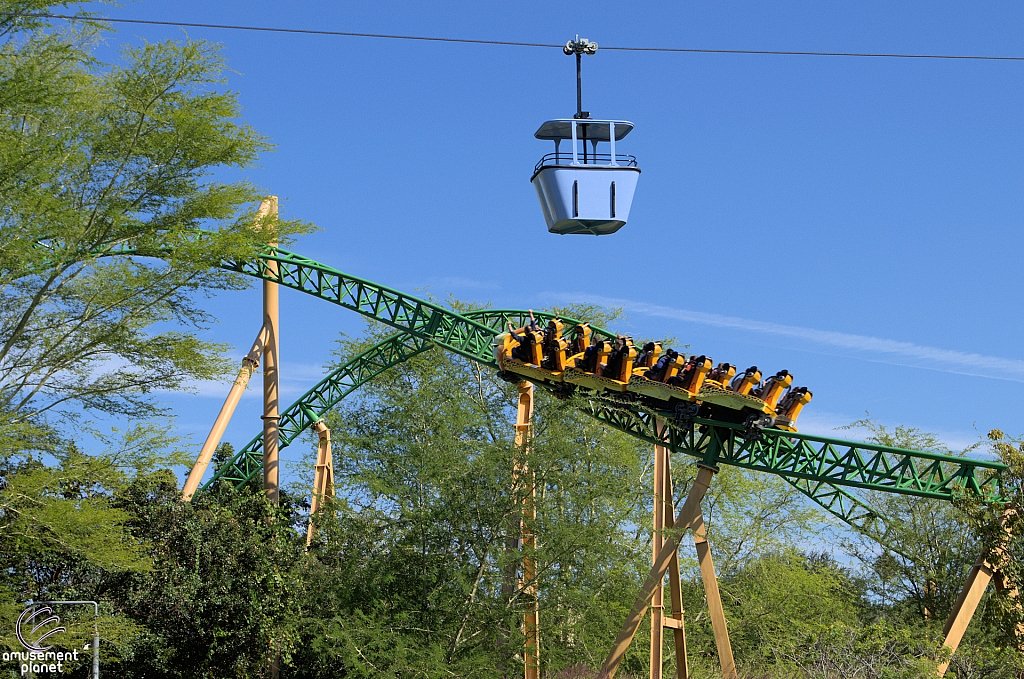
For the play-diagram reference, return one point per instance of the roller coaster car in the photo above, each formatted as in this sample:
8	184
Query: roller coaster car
603	366
737	401
790	406
661	380
718	402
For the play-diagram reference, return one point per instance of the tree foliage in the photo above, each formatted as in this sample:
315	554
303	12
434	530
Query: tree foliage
97	160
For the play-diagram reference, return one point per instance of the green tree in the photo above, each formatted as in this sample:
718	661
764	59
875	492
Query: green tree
411	576
106	175
99	159
929	547
62	533
1001	531
219	597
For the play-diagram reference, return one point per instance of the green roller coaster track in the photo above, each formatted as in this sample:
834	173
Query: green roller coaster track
819	467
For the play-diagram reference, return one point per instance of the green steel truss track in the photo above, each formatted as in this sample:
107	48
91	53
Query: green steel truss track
247	463
357	371
817	466
419	318
792	455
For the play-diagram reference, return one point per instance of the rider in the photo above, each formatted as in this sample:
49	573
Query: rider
522	352
657	372
550	346
645	354
619	351
589	361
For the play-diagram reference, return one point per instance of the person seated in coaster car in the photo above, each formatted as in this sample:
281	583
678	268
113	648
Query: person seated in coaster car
554	347
580	339
591	361
526	339
722	374
649	355
658	370
620	360
691	377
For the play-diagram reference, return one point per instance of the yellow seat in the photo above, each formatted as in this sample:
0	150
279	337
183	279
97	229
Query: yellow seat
790	406
742	384
772	389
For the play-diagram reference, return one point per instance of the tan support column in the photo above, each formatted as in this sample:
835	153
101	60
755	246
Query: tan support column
685	517
714	599
323	476
531	621
964	608
657	542
249	365
967	603
675	586
271	376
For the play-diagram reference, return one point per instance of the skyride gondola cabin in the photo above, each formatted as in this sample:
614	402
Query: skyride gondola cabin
580	189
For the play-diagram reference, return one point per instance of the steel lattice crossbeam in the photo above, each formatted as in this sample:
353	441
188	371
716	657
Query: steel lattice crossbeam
403	312
803	457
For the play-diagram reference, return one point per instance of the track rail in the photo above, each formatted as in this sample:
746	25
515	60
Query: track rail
817	466
248	461
792	455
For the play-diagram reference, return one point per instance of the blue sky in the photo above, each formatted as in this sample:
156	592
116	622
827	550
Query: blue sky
855	221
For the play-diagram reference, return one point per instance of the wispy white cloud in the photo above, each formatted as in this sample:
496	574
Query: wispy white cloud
446	283
885	350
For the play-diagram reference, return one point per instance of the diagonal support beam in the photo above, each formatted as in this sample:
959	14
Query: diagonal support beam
982	573
250	363
686	516
323	475
714	599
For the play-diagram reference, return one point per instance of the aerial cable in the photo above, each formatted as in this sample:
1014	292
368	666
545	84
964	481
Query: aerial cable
510	43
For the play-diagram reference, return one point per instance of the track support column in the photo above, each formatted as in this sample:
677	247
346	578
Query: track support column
714	599
675	622
249	365
690	509
271	374
523	441
966	604
323	477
